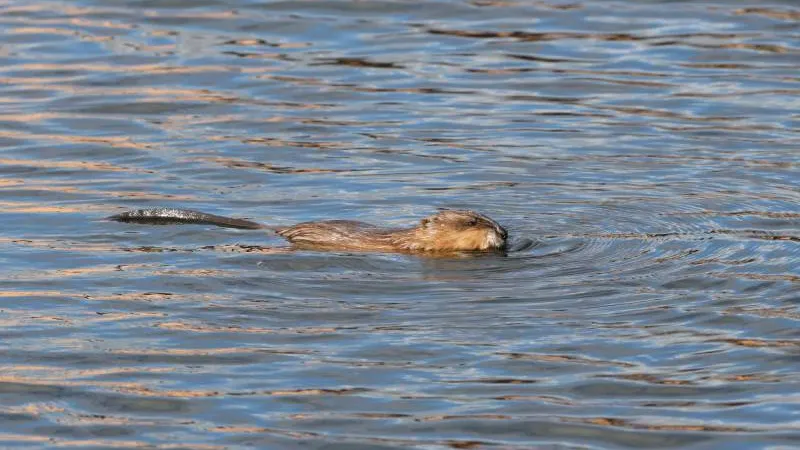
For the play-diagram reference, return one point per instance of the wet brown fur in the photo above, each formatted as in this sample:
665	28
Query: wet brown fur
446	231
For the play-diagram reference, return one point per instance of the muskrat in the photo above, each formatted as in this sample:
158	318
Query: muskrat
446	231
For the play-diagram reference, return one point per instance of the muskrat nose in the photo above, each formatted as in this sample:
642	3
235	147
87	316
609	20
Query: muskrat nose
503	233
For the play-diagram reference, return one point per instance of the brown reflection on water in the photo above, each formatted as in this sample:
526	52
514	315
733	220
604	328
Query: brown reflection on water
61	245
24	207
360	62
763	343
554	36
23	294
786	312
625	423
66	188
97	442
53	378
281	142
771	12
77	165
564	358
196	328
758	276
156	297
239	164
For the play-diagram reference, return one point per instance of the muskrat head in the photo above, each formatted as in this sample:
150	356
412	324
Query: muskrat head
453	230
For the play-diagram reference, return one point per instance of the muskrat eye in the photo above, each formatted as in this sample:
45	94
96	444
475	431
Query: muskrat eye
472	222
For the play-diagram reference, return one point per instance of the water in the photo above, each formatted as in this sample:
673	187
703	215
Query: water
648	149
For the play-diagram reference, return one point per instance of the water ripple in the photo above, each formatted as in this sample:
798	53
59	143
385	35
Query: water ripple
642	156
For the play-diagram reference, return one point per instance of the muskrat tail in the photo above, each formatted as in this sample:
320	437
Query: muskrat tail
170	216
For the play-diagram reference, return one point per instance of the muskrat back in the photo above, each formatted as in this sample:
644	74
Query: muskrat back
445	231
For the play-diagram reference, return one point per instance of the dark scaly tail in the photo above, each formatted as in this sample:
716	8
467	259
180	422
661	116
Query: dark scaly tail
168	216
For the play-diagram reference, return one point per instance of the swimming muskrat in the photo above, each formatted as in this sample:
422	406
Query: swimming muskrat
445	231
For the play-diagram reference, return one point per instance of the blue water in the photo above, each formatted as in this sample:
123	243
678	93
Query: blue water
648	150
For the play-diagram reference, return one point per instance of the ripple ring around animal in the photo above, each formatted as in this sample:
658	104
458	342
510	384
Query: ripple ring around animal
443	232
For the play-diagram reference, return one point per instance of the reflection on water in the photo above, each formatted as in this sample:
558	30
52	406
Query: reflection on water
642	155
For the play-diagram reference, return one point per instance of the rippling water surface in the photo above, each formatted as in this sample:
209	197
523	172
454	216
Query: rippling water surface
649	150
